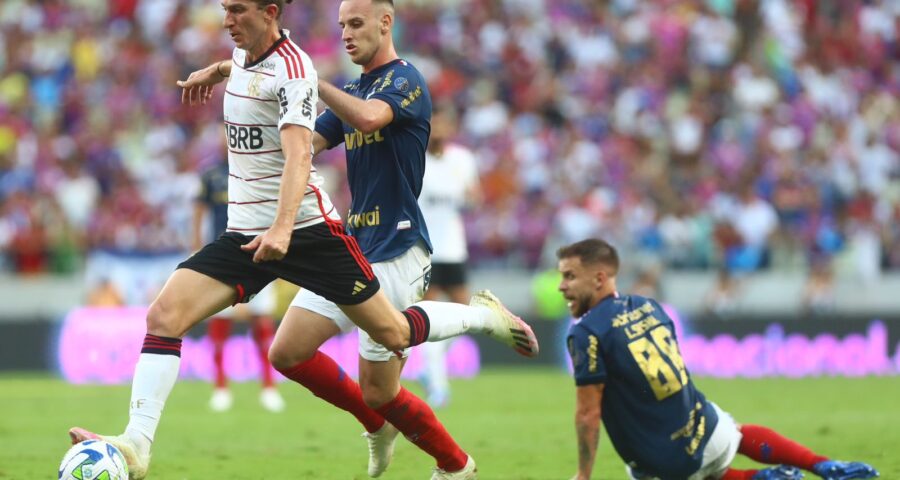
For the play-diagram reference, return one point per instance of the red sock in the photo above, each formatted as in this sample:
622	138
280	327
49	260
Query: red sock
218	331
325	379
732	474
416	420
768	446
263	331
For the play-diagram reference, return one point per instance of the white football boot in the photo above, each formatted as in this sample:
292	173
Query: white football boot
271	400
221	400
506	327
469	472
381	448
137	463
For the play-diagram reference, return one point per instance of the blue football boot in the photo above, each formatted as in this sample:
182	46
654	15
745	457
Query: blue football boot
837	470
781	472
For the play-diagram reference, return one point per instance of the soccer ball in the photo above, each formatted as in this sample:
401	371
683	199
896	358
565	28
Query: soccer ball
93	460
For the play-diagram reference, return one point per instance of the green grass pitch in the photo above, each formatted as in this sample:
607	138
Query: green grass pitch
516	423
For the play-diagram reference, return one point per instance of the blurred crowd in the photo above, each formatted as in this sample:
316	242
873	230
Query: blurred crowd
734	135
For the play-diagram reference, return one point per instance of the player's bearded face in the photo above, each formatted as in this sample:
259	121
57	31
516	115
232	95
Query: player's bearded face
577	286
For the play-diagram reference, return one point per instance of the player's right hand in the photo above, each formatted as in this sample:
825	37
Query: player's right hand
198	87
271	245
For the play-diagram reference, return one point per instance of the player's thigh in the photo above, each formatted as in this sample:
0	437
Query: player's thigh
380	381
721	448
380	320
185	300
403	280
299	336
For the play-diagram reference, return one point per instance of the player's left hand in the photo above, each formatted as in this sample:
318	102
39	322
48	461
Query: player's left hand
198	88
271	245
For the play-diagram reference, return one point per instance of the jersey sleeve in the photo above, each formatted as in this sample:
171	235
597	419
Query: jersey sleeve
584	349
329	126
297	99
403	90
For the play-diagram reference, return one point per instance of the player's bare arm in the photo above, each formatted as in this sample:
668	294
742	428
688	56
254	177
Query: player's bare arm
273	243
367	116
587	427
319	143
198	87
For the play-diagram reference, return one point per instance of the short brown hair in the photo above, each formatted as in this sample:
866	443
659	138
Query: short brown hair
278	3
592	251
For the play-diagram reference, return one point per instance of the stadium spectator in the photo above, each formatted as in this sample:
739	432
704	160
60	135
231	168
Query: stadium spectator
629	373
651	105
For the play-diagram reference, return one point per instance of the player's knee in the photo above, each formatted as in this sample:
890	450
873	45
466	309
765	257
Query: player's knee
375	396
283	358
390	338
162	320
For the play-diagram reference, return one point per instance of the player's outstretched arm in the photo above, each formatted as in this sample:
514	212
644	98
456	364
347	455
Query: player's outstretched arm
198	87
587	427
367	116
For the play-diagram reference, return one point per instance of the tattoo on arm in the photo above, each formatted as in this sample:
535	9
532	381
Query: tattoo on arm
588	436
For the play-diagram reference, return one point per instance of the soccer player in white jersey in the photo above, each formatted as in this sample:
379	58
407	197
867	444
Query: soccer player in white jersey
383	121
281	225
449	187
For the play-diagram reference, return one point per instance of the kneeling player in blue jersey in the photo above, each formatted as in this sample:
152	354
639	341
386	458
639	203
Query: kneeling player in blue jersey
628	366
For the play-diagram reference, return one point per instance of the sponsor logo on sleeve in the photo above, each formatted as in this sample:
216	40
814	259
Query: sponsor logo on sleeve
283	102
402	84
306	108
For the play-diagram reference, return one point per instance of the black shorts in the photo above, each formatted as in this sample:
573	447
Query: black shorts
321	258
446	275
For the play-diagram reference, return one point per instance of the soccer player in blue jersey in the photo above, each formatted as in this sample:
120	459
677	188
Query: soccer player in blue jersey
383	120
629	373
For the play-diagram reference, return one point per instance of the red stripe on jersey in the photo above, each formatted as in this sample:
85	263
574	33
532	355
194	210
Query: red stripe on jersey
235	229
337	229
253	152
296	51
252	71
249	124
251	203
262	201
253	179
248	98
289	60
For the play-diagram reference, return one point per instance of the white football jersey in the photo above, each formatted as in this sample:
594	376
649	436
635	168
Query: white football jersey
279	88
447	179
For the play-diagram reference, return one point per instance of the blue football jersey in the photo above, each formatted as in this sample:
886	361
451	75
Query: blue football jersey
385	168
658	422
214	194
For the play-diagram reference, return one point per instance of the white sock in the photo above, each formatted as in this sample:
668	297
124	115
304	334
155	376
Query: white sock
436	367
154	378
449	320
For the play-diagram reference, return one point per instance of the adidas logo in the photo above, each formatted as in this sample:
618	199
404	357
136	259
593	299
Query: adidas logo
358	287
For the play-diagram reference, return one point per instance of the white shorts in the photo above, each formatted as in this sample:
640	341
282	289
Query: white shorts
719	452
403	281
263	303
